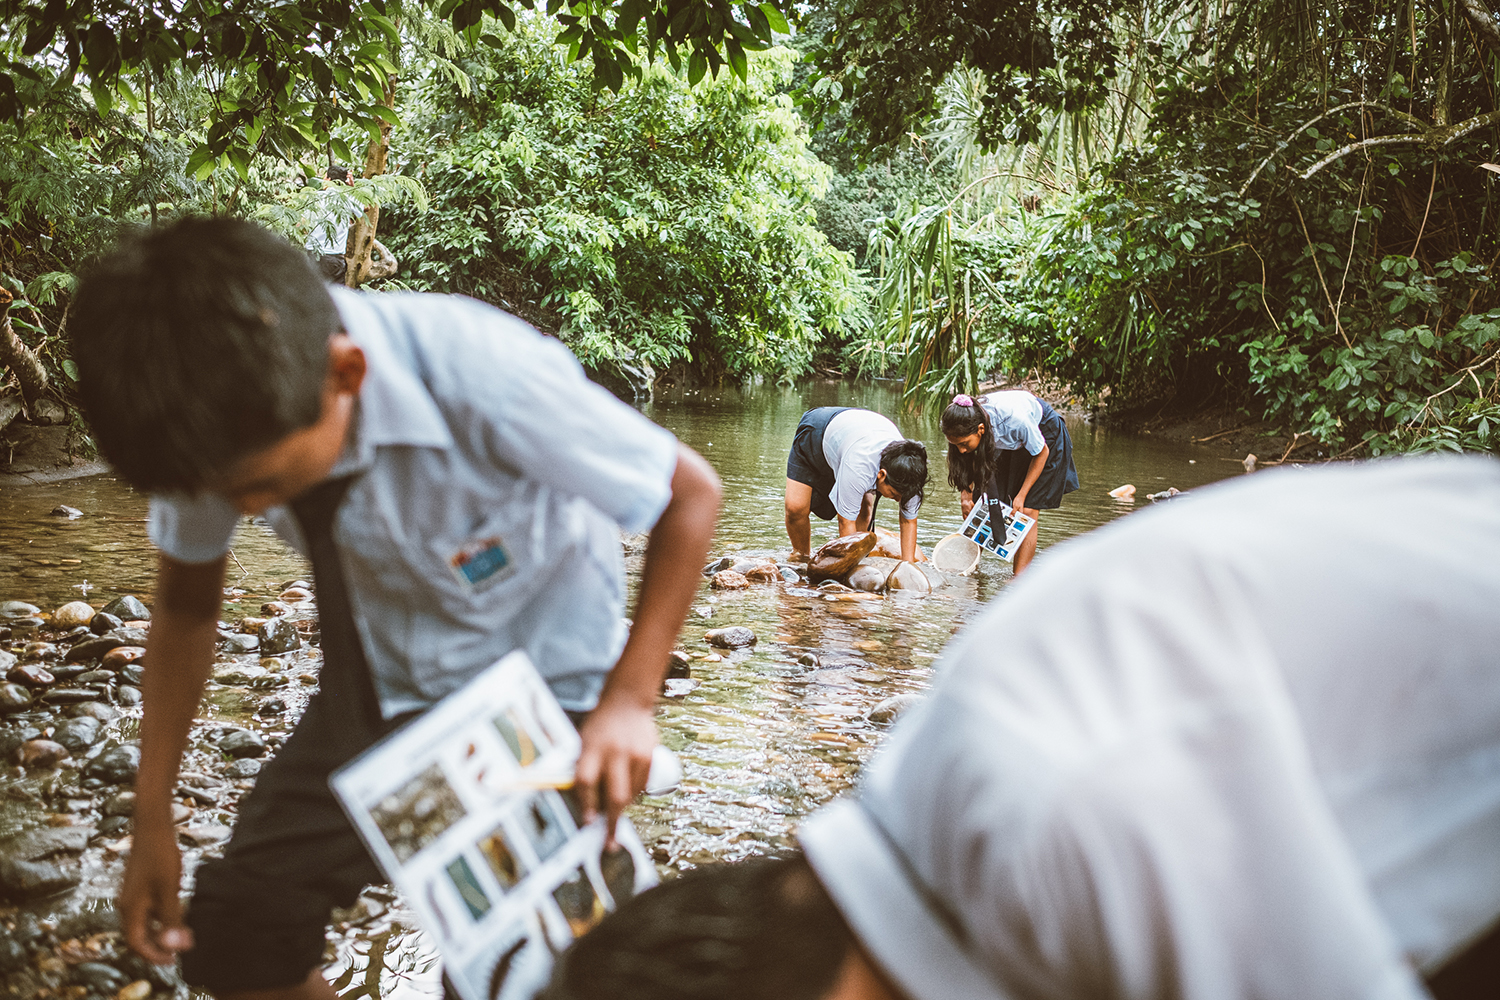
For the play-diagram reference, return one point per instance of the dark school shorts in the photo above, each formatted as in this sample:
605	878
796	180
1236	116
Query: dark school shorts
805	462
258	914
1058	475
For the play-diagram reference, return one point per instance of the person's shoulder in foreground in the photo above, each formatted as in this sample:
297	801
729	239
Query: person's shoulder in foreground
1243	746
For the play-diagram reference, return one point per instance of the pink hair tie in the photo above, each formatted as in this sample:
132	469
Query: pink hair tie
963	400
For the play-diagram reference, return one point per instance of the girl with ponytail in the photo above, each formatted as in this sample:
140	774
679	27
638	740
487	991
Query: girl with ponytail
843	460
1011	447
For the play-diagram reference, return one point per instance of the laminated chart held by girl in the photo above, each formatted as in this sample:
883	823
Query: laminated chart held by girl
843	460
1013	449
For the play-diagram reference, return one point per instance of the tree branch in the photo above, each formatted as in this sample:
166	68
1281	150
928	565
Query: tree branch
20	359
1313	121
1483	21
1434	137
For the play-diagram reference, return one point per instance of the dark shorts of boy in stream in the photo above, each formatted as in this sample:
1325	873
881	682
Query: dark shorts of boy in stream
806	463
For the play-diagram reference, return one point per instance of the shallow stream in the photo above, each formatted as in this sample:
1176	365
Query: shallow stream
764	738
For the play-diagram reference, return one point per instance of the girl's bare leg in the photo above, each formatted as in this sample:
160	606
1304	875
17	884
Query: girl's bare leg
1028	544
798	523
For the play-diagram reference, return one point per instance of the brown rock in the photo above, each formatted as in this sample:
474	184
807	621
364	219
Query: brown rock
42	753
834	560
296	595
728	579
31	674
275	609
138	990
249	625
122	656
764	573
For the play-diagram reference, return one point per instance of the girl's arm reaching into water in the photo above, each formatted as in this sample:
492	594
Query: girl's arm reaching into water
908	540
620	733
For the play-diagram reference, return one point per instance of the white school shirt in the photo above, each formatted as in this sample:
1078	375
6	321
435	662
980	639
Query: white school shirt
852	443
1245	746
476	436
1015	420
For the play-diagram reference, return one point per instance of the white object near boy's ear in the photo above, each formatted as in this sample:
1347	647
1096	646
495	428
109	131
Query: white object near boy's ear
666	771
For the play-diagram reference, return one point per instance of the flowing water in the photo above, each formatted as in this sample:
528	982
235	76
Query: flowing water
764	738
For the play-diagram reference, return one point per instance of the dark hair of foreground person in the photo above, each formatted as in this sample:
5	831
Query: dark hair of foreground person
196	345
905	466
762	929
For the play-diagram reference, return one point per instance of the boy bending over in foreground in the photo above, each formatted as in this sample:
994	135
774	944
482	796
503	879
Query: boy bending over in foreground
459	487
1246	747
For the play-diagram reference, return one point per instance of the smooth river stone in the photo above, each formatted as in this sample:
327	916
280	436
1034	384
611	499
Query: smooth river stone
906	576
278	636
18	609
13	697
78	734
116	766
72	615
836	559
102	623
42	753
31	674
126	609
92	649
733	637
728	579
122	656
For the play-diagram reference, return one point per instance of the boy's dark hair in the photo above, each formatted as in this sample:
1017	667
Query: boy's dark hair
762	929
969	473
337	173
197	345
905	465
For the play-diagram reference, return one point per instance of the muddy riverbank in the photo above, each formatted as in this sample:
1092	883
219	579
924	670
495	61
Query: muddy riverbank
767	732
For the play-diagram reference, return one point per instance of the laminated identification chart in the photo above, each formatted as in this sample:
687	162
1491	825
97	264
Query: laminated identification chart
977	526
467	810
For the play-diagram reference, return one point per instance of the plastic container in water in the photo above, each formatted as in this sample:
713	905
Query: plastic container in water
956	554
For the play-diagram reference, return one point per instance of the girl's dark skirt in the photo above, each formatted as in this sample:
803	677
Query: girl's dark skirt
1058	475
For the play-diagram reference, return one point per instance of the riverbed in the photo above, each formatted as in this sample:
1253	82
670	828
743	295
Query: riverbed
766	735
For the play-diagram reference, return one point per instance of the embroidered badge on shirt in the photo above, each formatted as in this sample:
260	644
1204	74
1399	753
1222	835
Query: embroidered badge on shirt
480	564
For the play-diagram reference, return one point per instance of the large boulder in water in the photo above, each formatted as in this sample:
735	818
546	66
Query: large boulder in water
838	558
906	576
888	544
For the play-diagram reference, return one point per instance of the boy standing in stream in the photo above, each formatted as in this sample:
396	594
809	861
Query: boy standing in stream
459	487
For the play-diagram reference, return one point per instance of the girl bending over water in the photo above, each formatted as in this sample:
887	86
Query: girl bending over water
1010	446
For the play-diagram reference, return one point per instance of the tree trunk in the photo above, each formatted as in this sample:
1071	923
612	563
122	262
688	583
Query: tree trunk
20	359
362	234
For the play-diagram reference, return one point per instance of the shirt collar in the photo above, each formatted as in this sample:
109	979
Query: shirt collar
394	406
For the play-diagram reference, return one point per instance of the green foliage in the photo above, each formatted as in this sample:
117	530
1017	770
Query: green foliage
888	59
666	223
1301	228
287	78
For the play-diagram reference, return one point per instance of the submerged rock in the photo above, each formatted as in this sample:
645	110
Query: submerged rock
122	656
836	559
34	879
238	643
63	510
869	576
18	609
278	635
31	674
733	637
102	623
728	579
722	563
128	609
888	710
116	766
678	664
100	978
763	573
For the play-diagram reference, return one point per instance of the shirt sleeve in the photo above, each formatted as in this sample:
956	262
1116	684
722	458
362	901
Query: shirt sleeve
549	422
910	508
191	529
852	480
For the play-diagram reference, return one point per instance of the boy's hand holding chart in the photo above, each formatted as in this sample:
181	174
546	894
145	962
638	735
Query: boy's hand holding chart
991	526
469	811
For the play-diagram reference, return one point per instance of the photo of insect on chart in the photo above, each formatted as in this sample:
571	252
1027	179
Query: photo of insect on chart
469	812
